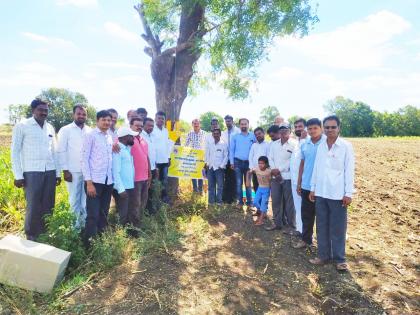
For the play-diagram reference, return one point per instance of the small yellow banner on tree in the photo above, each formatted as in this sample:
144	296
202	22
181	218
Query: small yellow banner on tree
186	162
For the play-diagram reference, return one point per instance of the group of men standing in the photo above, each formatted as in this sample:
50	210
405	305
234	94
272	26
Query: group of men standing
310	176
97	164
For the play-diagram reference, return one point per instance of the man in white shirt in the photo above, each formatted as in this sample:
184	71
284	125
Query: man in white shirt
35	166
332	187
229	187
70	141
216	156
214	124
164	148
258	149
301	136
281	151
147	135
113	128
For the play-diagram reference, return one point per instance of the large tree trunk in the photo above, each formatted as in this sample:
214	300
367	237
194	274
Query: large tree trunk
172	69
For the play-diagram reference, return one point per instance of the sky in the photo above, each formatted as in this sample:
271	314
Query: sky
364	50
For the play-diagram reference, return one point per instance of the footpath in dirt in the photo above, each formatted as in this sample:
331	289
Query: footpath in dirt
230	266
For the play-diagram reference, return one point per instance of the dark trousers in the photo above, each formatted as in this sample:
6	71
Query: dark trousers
126	208
141	196
197	185
215	178
284	213
331	227
229	187
254	182
97	209
241	168
151	206
308	217
40	199
163	178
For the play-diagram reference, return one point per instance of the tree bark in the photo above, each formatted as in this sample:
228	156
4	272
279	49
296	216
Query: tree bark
173	68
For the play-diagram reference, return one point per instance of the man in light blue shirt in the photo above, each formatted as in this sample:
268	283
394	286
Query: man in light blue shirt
123	173
308	154
239	153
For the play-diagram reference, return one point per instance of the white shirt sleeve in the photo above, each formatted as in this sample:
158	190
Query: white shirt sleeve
349	171
315	171
54	152
62	148
251	157
225	156
271	156
17	142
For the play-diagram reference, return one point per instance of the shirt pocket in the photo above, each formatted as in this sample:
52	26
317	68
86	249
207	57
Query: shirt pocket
336	162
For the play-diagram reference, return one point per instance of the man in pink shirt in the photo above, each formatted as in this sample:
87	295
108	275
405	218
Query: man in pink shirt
142	173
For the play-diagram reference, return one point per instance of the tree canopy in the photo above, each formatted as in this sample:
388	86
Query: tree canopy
233	36
206	118
267	116
359	120
61	106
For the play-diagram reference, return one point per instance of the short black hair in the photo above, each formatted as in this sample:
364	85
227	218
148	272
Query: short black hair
112	111
300	120
314	121
160	113
135	119
141	110
103	114
214	119
228	117
273	129
258	128
263	159
148	119
332	117
217	129
247	120
36	102
81	106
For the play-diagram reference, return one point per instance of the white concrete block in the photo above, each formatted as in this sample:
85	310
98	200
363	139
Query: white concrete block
31	265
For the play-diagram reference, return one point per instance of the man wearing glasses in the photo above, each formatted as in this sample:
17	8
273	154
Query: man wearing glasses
332	187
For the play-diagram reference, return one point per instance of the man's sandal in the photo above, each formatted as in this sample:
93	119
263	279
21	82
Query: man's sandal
318	261
342	267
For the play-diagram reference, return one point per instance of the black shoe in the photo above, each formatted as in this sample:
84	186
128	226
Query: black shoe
272	228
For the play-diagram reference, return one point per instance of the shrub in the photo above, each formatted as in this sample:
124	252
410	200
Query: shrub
62	234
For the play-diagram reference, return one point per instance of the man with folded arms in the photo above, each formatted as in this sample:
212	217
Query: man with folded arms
308	154
123	174
163	151
142	172
70	140
332	187
35	166
97	173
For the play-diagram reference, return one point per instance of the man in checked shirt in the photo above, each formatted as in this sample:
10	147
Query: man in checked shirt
195	139
35	166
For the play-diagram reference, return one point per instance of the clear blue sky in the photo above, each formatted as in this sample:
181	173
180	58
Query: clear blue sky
364	50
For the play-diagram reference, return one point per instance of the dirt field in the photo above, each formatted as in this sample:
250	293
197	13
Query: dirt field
232	267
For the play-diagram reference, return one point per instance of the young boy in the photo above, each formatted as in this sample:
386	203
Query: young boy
262	195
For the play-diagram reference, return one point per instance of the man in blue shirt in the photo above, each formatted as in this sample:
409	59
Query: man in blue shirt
123	173
308	154
238	155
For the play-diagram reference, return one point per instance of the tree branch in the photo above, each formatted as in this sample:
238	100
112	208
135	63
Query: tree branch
153	41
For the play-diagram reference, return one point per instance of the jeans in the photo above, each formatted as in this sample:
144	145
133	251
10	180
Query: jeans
197	185
284	213
261	199
163	178
331	227
229	187
215	178
297	201
97	211
40	200
77	198
241	168
308	217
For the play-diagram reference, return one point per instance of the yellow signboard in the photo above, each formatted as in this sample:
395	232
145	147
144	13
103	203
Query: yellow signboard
186	162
